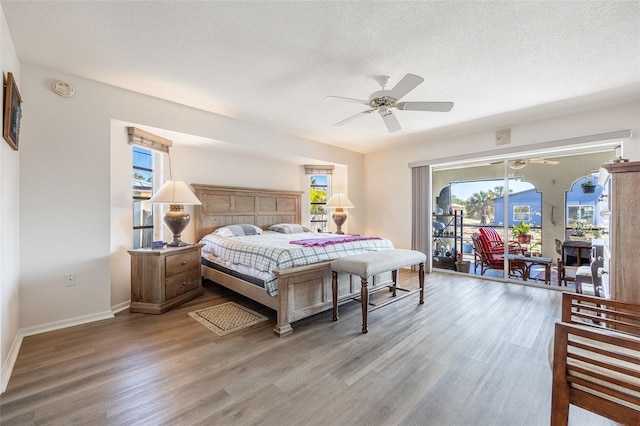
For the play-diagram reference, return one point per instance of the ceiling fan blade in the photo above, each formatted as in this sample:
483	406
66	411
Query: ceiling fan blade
342	98
391	122
404	86
544	161
353	117
426	106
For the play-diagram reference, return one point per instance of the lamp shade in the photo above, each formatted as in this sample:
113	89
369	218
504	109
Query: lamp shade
339	200
174	192
177	194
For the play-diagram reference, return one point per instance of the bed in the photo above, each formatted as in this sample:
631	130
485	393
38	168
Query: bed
301	290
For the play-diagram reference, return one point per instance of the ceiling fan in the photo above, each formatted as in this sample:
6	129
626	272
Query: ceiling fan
519	164
384	100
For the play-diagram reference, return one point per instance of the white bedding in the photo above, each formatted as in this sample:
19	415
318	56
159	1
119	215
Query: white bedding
259	255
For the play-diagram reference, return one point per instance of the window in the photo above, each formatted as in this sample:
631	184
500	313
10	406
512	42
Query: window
521	213
318	196
142	191
582	213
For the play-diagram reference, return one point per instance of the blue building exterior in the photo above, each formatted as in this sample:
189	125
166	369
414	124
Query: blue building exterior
526	206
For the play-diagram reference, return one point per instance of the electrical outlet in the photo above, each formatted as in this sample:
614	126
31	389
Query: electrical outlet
70	280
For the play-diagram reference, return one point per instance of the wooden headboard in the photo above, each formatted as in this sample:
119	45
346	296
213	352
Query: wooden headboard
229	205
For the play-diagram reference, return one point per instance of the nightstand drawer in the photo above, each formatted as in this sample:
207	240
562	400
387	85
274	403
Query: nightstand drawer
182	283
182	262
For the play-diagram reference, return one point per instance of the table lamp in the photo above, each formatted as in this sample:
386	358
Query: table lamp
339	202
176	194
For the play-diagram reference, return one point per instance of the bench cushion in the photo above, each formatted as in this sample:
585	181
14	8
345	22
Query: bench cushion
376	262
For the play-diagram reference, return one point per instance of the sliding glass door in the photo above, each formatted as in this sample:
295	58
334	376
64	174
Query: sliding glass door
503	218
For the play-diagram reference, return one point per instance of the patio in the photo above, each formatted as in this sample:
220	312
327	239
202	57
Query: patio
533	205
536	276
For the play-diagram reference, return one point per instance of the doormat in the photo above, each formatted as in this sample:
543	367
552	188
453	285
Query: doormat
227	317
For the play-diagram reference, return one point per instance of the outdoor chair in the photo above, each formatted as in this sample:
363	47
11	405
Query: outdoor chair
495	241
574	255
490	258
494	244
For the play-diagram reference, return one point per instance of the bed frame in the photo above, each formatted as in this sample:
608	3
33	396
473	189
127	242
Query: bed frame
302	291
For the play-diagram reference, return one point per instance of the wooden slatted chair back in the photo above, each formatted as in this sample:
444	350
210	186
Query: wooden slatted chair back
492	236
596	359
491	251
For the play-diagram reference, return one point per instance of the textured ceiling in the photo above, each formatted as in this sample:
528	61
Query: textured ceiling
273	63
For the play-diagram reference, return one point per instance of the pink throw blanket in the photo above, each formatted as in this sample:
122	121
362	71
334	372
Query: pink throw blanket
322	242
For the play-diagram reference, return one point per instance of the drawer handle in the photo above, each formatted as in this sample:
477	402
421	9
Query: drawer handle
184	283
184	263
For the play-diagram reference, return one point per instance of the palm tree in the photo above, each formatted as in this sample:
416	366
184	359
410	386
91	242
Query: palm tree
481	204
318	198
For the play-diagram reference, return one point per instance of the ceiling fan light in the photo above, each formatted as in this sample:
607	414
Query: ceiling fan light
383	80
517	164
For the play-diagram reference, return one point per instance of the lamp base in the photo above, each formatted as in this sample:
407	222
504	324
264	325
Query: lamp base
178	244
176	219
339	217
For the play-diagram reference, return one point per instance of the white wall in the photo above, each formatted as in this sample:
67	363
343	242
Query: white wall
388	176
9	223
70	161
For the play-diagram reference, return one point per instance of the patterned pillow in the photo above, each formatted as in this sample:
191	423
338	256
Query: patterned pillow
237	230
289	228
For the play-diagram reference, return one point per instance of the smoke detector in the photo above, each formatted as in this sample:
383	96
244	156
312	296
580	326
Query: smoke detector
63	89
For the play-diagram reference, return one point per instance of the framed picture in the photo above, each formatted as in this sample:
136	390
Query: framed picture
12	112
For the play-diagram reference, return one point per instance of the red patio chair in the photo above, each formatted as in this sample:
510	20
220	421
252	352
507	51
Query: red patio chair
496	244
489	258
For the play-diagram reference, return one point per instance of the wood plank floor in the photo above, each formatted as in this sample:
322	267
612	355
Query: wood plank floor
474	354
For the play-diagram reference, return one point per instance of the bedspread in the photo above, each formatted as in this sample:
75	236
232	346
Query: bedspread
273	250
310	242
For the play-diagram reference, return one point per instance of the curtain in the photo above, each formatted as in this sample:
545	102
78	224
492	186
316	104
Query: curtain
318	169
421	211
148	140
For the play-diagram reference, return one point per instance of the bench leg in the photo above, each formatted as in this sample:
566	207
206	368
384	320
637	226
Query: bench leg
364	298
394	277
421	281
334	291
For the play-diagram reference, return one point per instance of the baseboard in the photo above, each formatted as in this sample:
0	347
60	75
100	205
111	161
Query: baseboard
70	322
120	307
7	368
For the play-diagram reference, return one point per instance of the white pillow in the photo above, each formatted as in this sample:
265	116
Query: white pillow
237	230
289	228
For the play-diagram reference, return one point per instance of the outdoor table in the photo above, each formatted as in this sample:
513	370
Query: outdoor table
530	261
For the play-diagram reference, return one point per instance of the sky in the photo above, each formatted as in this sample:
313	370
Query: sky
464	190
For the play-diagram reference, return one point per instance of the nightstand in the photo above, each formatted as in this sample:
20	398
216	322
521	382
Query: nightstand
162	279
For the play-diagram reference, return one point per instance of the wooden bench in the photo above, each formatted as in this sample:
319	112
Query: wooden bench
377	262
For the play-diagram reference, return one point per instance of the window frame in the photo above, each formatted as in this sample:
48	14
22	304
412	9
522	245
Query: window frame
319	224
140	240
580	208
520	216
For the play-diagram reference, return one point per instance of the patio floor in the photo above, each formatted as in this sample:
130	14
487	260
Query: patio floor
537	273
